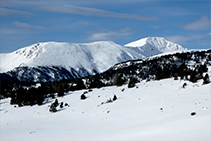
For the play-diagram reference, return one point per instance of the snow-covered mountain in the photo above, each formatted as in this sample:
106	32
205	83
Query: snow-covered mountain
97	56
153	45
51	61
78	59
171	108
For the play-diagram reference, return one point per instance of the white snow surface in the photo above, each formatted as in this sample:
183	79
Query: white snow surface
150	46
97	56
151	111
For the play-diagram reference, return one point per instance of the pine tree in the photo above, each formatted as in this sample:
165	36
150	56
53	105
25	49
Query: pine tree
61	92
83	97
79	85
206	79
119	81
61	105
114	98
193	76
53	106
132	82
56	103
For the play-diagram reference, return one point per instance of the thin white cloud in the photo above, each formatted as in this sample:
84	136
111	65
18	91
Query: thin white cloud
173	11
72	2
6	12
26	25
110	35
154	26
70	9
81	23
204	23
207	42
183	39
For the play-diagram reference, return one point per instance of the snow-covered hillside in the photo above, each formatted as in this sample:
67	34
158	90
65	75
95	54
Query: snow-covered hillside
78	60
97	56
152	111
153	45
51	61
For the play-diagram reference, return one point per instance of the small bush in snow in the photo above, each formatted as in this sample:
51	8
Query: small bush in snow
66	104
206	79
85	92
176	78
123	89
83	97
132	82
193	113
53	106
184	85
114	98
109	100
61	105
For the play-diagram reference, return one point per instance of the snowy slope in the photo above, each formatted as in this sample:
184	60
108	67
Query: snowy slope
153	45
154	111
79	59
51	61
98	55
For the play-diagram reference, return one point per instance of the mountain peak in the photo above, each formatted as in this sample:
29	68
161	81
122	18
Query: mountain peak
154	45
147	40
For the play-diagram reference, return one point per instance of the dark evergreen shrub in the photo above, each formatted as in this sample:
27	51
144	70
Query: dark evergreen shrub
114	98
61	105
176	78
193	76
163	73
184	85
119	81
56	103
109	100
85	92
206	79
95	83
53	108
83	97
193	113
202	68
79	85
61	92
132	82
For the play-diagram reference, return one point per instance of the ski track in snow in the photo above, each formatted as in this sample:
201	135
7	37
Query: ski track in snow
151	111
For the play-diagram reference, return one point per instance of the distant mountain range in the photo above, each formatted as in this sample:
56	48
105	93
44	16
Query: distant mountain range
51	61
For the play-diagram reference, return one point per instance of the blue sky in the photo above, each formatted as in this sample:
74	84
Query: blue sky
25	22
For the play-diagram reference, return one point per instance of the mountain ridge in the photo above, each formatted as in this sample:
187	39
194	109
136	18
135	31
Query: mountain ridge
49	60
62	54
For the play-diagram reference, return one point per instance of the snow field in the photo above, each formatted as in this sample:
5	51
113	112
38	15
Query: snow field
155	110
